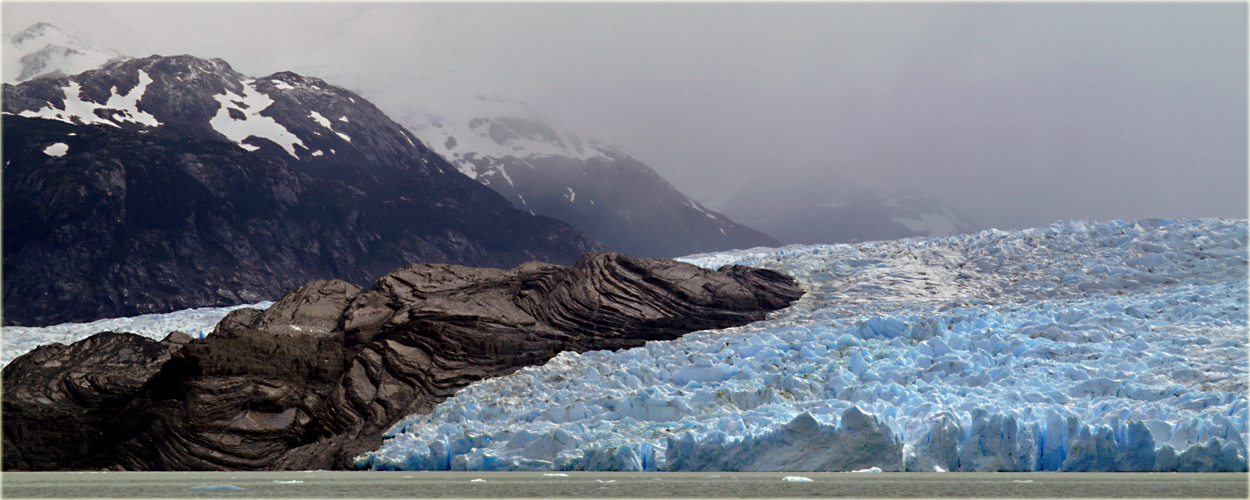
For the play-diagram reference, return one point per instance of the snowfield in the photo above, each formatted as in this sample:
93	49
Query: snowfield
1078	347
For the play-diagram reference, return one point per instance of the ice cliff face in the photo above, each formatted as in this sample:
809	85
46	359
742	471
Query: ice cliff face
1079	347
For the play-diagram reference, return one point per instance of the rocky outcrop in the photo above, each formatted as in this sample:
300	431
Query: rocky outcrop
58	400
318	377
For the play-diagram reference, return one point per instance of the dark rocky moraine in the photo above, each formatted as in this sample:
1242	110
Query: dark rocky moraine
317	378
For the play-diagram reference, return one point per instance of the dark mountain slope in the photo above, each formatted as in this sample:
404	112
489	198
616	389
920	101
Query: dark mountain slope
162	183
624	203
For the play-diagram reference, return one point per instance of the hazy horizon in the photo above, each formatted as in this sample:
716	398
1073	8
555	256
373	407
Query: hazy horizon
1016	114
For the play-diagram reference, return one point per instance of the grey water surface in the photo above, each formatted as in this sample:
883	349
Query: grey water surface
362	484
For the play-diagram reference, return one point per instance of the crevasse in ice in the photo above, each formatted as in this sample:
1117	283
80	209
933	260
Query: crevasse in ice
1078	347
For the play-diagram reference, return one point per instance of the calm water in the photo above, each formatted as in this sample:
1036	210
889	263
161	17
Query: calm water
319	484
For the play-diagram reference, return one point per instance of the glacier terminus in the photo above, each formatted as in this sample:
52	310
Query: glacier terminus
1084	346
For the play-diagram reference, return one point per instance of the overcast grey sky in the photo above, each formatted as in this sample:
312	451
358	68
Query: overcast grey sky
1019	114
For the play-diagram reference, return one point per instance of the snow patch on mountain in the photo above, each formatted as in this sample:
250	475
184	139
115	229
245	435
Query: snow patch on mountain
18	340
58	150
321	120
695	205
239	118
1078	347
119	108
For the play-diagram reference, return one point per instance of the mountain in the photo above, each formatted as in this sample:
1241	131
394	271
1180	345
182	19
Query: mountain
822	210
163	183
45	50
599	189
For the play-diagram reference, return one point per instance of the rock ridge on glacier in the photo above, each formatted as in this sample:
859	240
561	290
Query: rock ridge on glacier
315	379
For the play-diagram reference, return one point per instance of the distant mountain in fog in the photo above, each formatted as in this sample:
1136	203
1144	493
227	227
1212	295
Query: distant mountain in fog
44	50
599	189
811	211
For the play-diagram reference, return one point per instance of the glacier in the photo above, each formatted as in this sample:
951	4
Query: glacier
1117	346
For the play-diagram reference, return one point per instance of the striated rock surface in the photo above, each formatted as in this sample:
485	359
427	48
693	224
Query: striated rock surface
317	378
58	399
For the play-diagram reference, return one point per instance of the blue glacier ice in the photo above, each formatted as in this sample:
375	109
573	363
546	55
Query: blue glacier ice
1084	346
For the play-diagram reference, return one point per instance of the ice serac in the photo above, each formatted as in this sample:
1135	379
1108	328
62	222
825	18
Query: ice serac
1116	346
164	183
315	379
859	442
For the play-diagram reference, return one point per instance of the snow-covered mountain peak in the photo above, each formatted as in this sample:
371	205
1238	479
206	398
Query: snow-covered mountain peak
40	34
479	132
45	50
187	96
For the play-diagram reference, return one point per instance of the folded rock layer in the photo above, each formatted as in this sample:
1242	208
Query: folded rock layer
317	378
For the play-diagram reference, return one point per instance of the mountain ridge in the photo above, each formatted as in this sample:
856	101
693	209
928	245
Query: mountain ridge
496	141
598	188
233	189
